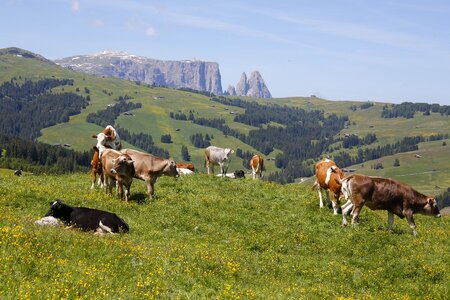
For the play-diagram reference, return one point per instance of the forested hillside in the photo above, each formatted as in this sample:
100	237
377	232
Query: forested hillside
291	133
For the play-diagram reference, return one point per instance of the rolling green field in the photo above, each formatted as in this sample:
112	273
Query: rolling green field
207	237
431	174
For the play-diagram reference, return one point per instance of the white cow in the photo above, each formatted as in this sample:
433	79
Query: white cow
217	156
108	138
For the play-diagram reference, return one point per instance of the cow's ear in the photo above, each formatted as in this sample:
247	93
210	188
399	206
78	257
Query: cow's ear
431	201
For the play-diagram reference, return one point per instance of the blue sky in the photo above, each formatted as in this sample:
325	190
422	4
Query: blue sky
383	50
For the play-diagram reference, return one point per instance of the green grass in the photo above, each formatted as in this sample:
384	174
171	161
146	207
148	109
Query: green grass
208	237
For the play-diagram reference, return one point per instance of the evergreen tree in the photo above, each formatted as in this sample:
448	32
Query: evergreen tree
185	153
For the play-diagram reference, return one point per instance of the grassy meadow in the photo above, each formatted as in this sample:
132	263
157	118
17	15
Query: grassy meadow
207	237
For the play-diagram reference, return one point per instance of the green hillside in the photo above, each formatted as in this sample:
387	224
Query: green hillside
431	173
207	237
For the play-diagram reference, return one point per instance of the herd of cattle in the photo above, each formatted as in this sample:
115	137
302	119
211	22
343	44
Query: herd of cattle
115	166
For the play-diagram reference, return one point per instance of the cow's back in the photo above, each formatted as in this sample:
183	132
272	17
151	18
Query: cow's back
322	168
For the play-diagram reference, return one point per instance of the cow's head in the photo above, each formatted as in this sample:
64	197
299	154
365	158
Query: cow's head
122	164
431	208
227	152
171	168
58	209
239	174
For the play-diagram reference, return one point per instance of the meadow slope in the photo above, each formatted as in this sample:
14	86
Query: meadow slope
207	237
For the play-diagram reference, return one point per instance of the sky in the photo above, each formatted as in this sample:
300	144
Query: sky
364	50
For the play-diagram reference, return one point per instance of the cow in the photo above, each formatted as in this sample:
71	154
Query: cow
18	172
257	165
96	168
239	174
118	167
328	177
87	219
186	166
149	168
184	171
379	193
108	138
217	156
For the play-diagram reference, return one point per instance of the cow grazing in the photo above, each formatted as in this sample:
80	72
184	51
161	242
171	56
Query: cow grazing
96	168
186	166
379	193
108	138
328	177
149	168
18	172
217	156
257	165
87	218
118	167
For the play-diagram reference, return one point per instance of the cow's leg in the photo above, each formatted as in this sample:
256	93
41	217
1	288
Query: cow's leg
320	197
253	173
150	187
222	170
346	212
119	186
127	192
390	220
358	204
207	166
410	219
93	177
336	204
327	193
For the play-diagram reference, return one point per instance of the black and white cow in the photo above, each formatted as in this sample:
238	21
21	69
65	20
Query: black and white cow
87	218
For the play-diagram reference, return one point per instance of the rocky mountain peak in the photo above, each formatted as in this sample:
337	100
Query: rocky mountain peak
194	74
252	87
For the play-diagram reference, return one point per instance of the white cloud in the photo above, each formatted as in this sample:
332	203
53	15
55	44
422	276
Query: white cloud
150	31
98	23
75	6
138	25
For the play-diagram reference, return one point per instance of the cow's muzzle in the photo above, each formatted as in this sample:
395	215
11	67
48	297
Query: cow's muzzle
438	215
113	171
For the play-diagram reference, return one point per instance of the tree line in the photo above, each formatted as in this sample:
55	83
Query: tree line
36	157
29	107
408	109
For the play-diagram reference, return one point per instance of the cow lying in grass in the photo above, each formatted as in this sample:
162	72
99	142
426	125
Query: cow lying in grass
87	219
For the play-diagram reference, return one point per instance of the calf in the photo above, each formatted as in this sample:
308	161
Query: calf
186	166
217	156
328	177
96	168
257	165
379	193
87	218
108	138
149	168
118	167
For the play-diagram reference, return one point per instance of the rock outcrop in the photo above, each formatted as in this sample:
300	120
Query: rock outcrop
253	87
194	74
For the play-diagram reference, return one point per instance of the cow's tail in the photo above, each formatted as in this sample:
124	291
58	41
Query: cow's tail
346	187
261	161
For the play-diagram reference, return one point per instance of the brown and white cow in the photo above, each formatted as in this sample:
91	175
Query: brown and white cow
149	168
217	156
108	138
188	166
257	165
379	193
97	169
328	177
118	167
